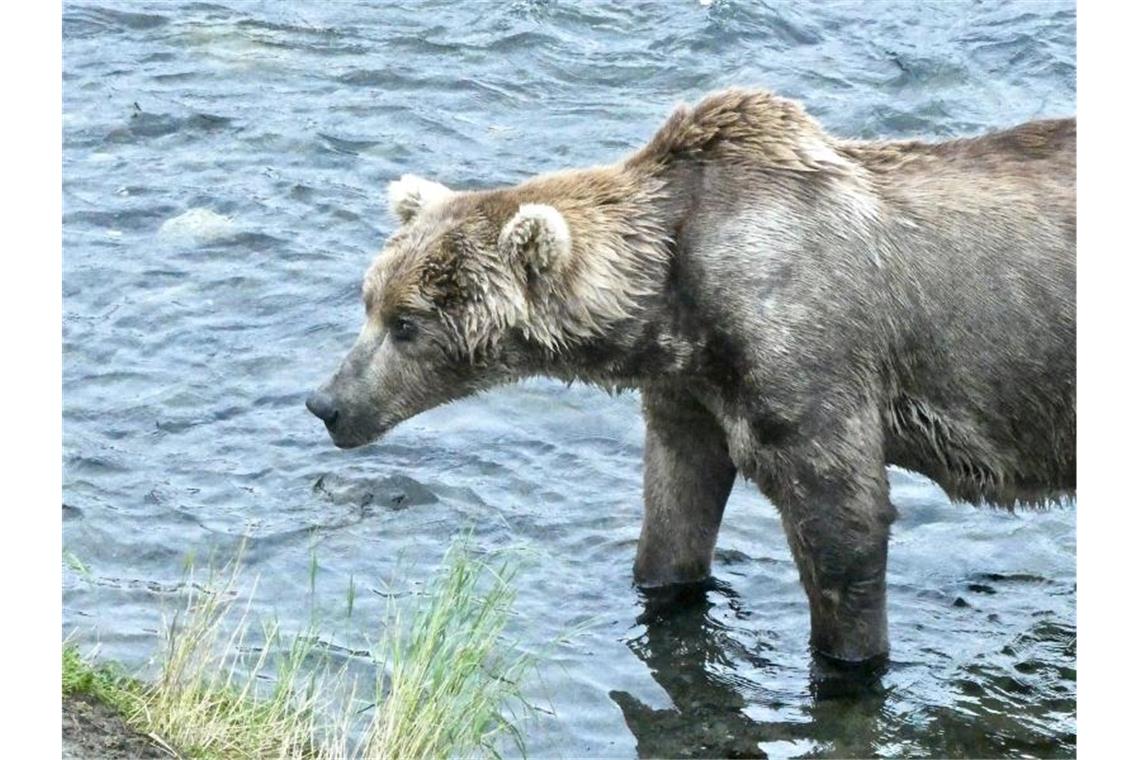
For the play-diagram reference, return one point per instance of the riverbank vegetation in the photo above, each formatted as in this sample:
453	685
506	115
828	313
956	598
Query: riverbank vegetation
445	679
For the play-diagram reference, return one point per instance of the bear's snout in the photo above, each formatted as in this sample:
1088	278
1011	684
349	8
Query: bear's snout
323	405
343	420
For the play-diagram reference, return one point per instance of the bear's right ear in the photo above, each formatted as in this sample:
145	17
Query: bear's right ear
537	235
410	194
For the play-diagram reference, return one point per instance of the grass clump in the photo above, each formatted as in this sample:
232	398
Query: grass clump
446	683
206	699
104	683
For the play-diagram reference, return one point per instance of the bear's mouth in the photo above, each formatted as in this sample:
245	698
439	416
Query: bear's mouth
348	443
354	438
351	432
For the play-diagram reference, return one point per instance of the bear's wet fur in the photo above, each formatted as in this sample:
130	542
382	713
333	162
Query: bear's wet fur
794	307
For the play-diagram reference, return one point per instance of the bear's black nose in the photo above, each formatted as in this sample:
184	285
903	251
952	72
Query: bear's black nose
322	405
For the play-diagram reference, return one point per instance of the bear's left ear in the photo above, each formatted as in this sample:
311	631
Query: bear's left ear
410	194
537	234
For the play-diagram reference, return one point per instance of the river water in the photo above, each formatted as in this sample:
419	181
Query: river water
224	175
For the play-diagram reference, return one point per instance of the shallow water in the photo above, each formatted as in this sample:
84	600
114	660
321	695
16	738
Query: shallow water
224	167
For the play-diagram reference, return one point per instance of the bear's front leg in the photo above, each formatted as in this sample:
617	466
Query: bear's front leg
688	477
832	494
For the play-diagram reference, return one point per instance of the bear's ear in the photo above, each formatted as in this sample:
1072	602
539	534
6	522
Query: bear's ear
537	234
410	194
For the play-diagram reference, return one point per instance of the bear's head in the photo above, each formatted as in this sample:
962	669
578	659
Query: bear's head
448	306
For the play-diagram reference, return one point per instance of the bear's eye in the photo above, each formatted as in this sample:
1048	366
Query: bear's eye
403	329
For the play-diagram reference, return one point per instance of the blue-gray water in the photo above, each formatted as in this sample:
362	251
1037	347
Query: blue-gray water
224	175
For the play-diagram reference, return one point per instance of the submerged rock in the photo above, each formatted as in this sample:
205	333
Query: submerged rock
198	226
395	492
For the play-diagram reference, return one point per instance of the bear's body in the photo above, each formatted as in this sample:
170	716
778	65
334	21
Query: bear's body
793	307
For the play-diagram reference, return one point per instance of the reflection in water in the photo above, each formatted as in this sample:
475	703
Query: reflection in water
698	661
832	679
730	700
686	651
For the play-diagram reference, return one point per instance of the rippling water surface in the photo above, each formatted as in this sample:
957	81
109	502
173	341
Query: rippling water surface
224	170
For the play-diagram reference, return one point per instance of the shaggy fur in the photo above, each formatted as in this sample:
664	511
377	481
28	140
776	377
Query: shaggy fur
794	307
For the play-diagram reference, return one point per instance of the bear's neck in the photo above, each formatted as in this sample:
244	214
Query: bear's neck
663	339
601	318
625	315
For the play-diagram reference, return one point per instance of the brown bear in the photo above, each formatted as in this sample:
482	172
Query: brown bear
796	307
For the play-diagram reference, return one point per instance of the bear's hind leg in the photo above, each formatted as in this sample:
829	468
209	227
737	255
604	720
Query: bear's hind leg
688	477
